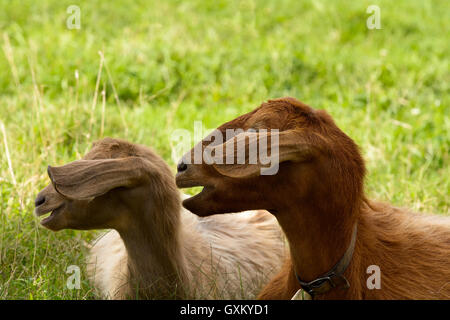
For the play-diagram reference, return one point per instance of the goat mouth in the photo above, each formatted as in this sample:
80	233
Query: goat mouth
53	213
186	183
191	184
194	203
204	190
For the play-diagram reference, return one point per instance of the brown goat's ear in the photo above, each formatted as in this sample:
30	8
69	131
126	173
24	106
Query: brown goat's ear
264	151
86	179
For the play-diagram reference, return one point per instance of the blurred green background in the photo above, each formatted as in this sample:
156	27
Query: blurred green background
169	63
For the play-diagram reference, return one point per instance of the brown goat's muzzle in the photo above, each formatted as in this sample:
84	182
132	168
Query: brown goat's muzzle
186	179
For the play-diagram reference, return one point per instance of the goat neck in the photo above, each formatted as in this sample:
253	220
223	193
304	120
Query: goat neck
319	234
152	241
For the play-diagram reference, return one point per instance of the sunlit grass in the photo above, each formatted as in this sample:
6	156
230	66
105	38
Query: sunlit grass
168	64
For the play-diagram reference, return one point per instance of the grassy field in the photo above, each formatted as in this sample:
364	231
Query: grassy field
164	64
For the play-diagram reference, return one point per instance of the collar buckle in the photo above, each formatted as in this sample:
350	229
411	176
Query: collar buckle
324	284
318	286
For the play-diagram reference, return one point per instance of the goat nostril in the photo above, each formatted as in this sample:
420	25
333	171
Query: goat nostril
181	166
39	200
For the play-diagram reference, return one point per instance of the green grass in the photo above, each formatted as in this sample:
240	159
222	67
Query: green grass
171	63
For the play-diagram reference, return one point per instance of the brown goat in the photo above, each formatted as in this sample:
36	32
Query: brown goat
317	196
157	248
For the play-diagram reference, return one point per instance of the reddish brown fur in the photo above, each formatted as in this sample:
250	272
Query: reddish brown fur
317	200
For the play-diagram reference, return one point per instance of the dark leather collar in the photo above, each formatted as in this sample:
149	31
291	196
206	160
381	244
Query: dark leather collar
333	278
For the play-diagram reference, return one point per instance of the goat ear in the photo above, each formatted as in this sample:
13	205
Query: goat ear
264	151
86	179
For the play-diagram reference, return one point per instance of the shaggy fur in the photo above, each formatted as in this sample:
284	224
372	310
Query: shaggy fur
317	196
157	249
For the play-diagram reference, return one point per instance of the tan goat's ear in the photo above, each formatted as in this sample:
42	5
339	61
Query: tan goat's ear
264	151
86	179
